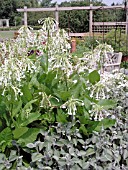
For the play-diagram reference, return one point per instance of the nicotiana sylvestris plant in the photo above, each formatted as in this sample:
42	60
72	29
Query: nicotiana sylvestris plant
52	102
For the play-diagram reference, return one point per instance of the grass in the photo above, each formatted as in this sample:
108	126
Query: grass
6	34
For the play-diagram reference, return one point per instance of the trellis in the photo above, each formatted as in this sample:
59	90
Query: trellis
100	27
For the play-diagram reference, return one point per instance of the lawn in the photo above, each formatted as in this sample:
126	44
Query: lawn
6	34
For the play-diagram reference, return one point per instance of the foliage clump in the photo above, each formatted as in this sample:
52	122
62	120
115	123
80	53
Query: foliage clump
55	111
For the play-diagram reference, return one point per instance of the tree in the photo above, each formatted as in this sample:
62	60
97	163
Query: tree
78	20
45	3
9	9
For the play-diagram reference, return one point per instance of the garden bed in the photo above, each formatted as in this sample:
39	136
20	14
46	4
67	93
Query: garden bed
56	110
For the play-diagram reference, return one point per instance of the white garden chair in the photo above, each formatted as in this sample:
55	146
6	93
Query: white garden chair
112	62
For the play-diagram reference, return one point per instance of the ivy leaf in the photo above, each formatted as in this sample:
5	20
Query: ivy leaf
94	77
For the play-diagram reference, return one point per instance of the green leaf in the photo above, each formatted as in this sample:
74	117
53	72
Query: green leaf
5	138
125	154
16	108
36	157
94	77
83	120
105	123
50	76
44	61
107	104
29	137
13	155
83	129
92	125
29	104
64	95
27	95
2	167
30	118
87	103
54	101
19	132
61	117
76	90
45	89
90	151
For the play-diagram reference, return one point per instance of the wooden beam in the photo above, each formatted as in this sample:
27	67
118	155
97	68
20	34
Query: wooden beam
109	23
127	17
70	8
78	34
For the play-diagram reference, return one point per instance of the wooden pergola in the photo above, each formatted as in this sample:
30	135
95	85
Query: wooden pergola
91	8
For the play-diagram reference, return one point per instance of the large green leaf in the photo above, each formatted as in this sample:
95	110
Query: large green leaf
105	123
94	77
16	108
107	104
76	90
50	76
5	138
30	118
29	137
45	89
27	95
64	95
19	132
43	61
83	129
91	125
61	117
29	104
83	120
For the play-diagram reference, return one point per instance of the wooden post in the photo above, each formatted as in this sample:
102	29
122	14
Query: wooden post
25	16
90	20
127	17
57	17
7	22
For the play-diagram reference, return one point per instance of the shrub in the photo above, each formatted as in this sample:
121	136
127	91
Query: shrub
118	40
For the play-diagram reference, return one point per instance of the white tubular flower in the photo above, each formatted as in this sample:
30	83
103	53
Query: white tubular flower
13	71
98	112
71	105
45	101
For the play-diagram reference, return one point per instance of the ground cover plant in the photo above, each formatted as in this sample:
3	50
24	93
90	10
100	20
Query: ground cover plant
56	110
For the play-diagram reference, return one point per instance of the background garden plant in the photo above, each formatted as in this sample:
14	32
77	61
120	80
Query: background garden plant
54	110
